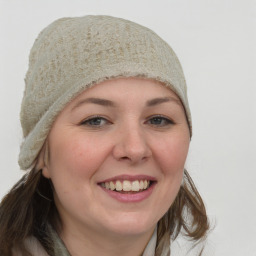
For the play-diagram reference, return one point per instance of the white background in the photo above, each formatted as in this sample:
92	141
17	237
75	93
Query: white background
215	41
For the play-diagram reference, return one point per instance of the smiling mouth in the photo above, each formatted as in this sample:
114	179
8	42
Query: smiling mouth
126	186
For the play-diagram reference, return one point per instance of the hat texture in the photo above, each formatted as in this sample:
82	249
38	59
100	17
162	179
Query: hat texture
73	54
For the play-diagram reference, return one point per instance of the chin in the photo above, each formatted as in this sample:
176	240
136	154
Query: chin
132	224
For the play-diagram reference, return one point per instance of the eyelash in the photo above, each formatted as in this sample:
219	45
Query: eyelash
97	118
167	121
93	118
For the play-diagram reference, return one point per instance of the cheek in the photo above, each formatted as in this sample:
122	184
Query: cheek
78	156
72	166
172	155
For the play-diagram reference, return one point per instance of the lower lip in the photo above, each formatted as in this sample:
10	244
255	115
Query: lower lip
130	198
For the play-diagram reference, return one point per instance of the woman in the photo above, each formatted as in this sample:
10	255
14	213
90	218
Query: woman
107	127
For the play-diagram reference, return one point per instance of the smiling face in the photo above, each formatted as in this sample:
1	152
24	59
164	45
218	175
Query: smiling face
116	157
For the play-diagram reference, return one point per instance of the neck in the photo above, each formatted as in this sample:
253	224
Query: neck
85	242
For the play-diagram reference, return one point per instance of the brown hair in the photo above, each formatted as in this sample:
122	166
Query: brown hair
187	213
29	206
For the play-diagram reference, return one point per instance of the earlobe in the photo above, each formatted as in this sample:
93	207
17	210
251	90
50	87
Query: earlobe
45	172
42	161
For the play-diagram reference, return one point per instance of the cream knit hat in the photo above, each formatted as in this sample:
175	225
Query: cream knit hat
72	54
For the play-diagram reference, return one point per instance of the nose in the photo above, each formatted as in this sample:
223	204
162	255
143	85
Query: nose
131	145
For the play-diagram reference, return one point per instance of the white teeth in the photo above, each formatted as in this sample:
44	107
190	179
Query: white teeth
145	184
135	185
141	184
112	185
126	185
119	186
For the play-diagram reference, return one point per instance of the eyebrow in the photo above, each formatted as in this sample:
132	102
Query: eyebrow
158	101
98	101
109	103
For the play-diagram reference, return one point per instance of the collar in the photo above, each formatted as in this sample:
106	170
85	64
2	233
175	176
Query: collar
60	248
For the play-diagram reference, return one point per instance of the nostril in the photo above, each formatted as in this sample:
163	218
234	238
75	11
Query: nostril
131	149
125	158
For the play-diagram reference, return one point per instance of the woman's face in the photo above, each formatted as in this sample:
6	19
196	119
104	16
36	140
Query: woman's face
116	156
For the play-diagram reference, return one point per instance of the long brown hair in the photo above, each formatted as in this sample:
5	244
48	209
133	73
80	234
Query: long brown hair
29	207
187	214
25	211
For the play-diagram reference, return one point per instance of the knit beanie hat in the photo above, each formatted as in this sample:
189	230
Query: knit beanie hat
73	54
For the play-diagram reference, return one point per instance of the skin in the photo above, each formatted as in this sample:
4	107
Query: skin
125	139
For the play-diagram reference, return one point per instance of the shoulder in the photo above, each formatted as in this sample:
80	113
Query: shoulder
33	246
181	246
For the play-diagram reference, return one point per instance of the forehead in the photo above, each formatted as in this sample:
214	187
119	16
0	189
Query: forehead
127	88
125	94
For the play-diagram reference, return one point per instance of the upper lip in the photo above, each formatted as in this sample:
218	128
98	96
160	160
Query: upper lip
129	177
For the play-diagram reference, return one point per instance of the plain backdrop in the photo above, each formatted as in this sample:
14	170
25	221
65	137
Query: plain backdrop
215	42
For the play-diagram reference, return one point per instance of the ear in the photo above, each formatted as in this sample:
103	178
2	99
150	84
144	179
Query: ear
42	161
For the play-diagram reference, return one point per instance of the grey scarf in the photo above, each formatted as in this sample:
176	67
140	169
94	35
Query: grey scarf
61	250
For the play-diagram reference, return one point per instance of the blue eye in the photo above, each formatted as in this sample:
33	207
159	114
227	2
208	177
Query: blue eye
95	121
160	121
